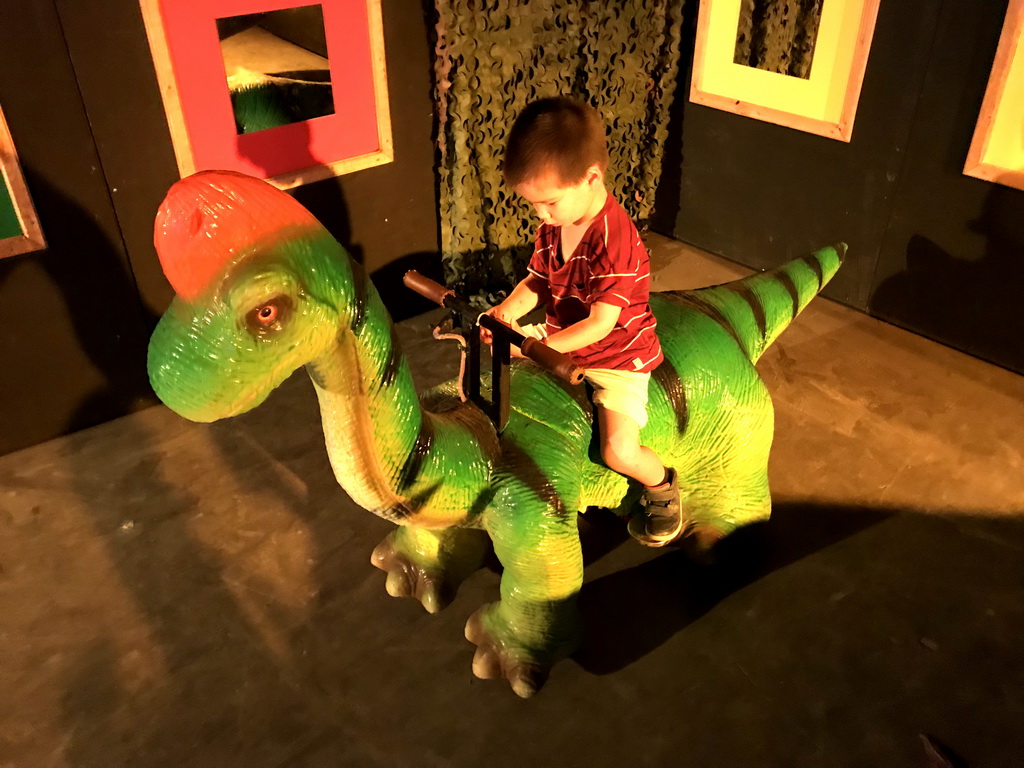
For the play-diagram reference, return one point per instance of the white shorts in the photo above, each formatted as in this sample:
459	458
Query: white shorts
620	391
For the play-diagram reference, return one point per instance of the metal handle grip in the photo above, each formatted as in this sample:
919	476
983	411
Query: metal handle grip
551	359
426	287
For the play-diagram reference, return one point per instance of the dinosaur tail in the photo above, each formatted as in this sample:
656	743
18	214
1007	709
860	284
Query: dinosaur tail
756	309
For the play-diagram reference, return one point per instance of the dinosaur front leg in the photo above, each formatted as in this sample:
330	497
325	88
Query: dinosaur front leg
429	564
536	622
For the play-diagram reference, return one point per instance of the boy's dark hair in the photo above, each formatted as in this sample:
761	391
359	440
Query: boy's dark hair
557	133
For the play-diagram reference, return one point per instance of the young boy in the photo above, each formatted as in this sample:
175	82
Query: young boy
592	271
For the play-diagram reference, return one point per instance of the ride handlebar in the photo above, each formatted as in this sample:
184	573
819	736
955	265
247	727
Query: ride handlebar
546	357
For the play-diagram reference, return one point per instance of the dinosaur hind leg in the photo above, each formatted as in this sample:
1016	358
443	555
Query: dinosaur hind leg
717	509
429	564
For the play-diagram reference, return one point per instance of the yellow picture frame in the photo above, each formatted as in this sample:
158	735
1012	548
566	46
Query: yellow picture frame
823	104
997	148
16	200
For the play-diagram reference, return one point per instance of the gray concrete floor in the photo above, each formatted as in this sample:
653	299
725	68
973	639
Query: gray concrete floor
177	594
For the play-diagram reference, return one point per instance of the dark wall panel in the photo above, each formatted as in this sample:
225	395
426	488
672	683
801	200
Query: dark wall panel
931	250
952	263
759	193
72	345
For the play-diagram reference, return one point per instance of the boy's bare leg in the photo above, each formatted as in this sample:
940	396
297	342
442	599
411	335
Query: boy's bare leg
621	451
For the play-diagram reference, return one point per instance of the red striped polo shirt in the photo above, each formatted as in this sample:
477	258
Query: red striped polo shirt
610	265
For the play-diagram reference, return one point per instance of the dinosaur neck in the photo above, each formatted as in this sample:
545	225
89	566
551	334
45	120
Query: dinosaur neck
391	456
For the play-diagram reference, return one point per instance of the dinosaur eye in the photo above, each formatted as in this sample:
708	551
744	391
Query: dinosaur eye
267	314
270	316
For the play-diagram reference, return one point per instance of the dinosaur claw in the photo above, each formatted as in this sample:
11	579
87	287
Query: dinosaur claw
475	630
486	664
500	653
432	598
701	544
431	580
526	680
382	555
397	584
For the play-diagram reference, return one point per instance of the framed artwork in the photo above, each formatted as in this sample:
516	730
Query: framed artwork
286	90
997	149
807	74
19	226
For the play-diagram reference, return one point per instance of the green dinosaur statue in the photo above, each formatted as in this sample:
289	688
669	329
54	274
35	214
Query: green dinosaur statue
263	289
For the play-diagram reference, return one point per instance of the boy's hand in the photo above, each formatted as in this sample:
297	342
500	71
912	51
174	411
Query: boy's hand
499	312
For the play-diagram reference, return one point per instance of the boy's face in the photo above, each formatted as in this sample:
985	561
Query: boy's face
559	204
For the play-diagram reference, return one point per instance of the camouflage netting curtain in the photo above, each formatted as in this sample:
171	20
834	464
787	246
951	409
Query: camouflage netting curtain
494	57
778	35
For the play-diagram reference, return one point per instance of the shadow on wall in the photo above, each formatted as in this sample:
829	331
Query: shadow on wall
971	305
325	199
669	191
110	324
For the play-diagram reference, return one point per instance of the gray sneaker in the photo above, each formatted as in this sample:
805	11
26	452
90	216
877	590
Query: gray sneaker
662	520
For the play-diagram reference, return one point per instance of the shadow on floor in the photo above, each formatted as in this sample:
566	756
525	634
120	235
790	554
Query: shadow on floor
633	611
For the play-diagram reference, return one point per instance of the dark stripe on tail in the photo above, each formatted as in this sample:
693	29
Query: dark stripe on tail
791	289
742	290
691	301
815	266
668	379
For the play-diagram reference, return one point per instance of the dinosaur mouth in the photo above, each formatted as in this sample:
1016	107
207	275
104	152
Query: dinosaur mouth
196	379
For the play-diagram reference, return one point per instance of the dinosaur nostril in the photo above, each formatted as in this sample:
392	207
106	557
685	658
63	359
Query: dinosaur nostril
195	222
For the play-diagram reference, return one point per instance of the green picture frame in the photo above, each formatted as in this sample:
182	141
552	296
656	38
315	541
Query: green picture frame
19	226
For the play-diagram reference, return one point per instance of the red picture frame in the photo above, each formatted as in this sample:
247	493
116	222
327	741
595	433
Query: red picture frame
190	69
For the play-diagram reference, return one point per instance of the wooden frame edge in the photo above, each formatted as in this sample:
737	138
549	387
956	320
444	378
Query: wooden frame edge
382	100
313	173
12	176
168	85
1006	49
858	68
770	115
840	130
382	104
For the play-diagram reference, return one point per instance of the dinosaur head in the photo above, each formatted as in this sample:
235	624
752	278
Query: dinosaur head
258	282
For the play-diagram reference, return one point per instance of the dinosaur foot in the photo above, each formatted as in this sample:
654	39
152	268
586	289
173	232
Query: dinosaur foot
409	579
429	565
500	653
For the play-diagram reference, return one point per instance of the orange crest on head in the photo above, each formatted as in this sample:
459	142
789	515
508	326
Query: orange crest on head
209	219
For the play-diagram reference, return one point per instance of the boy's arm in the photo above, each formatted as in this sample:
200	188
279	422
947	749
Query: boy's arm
590	330
529	293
